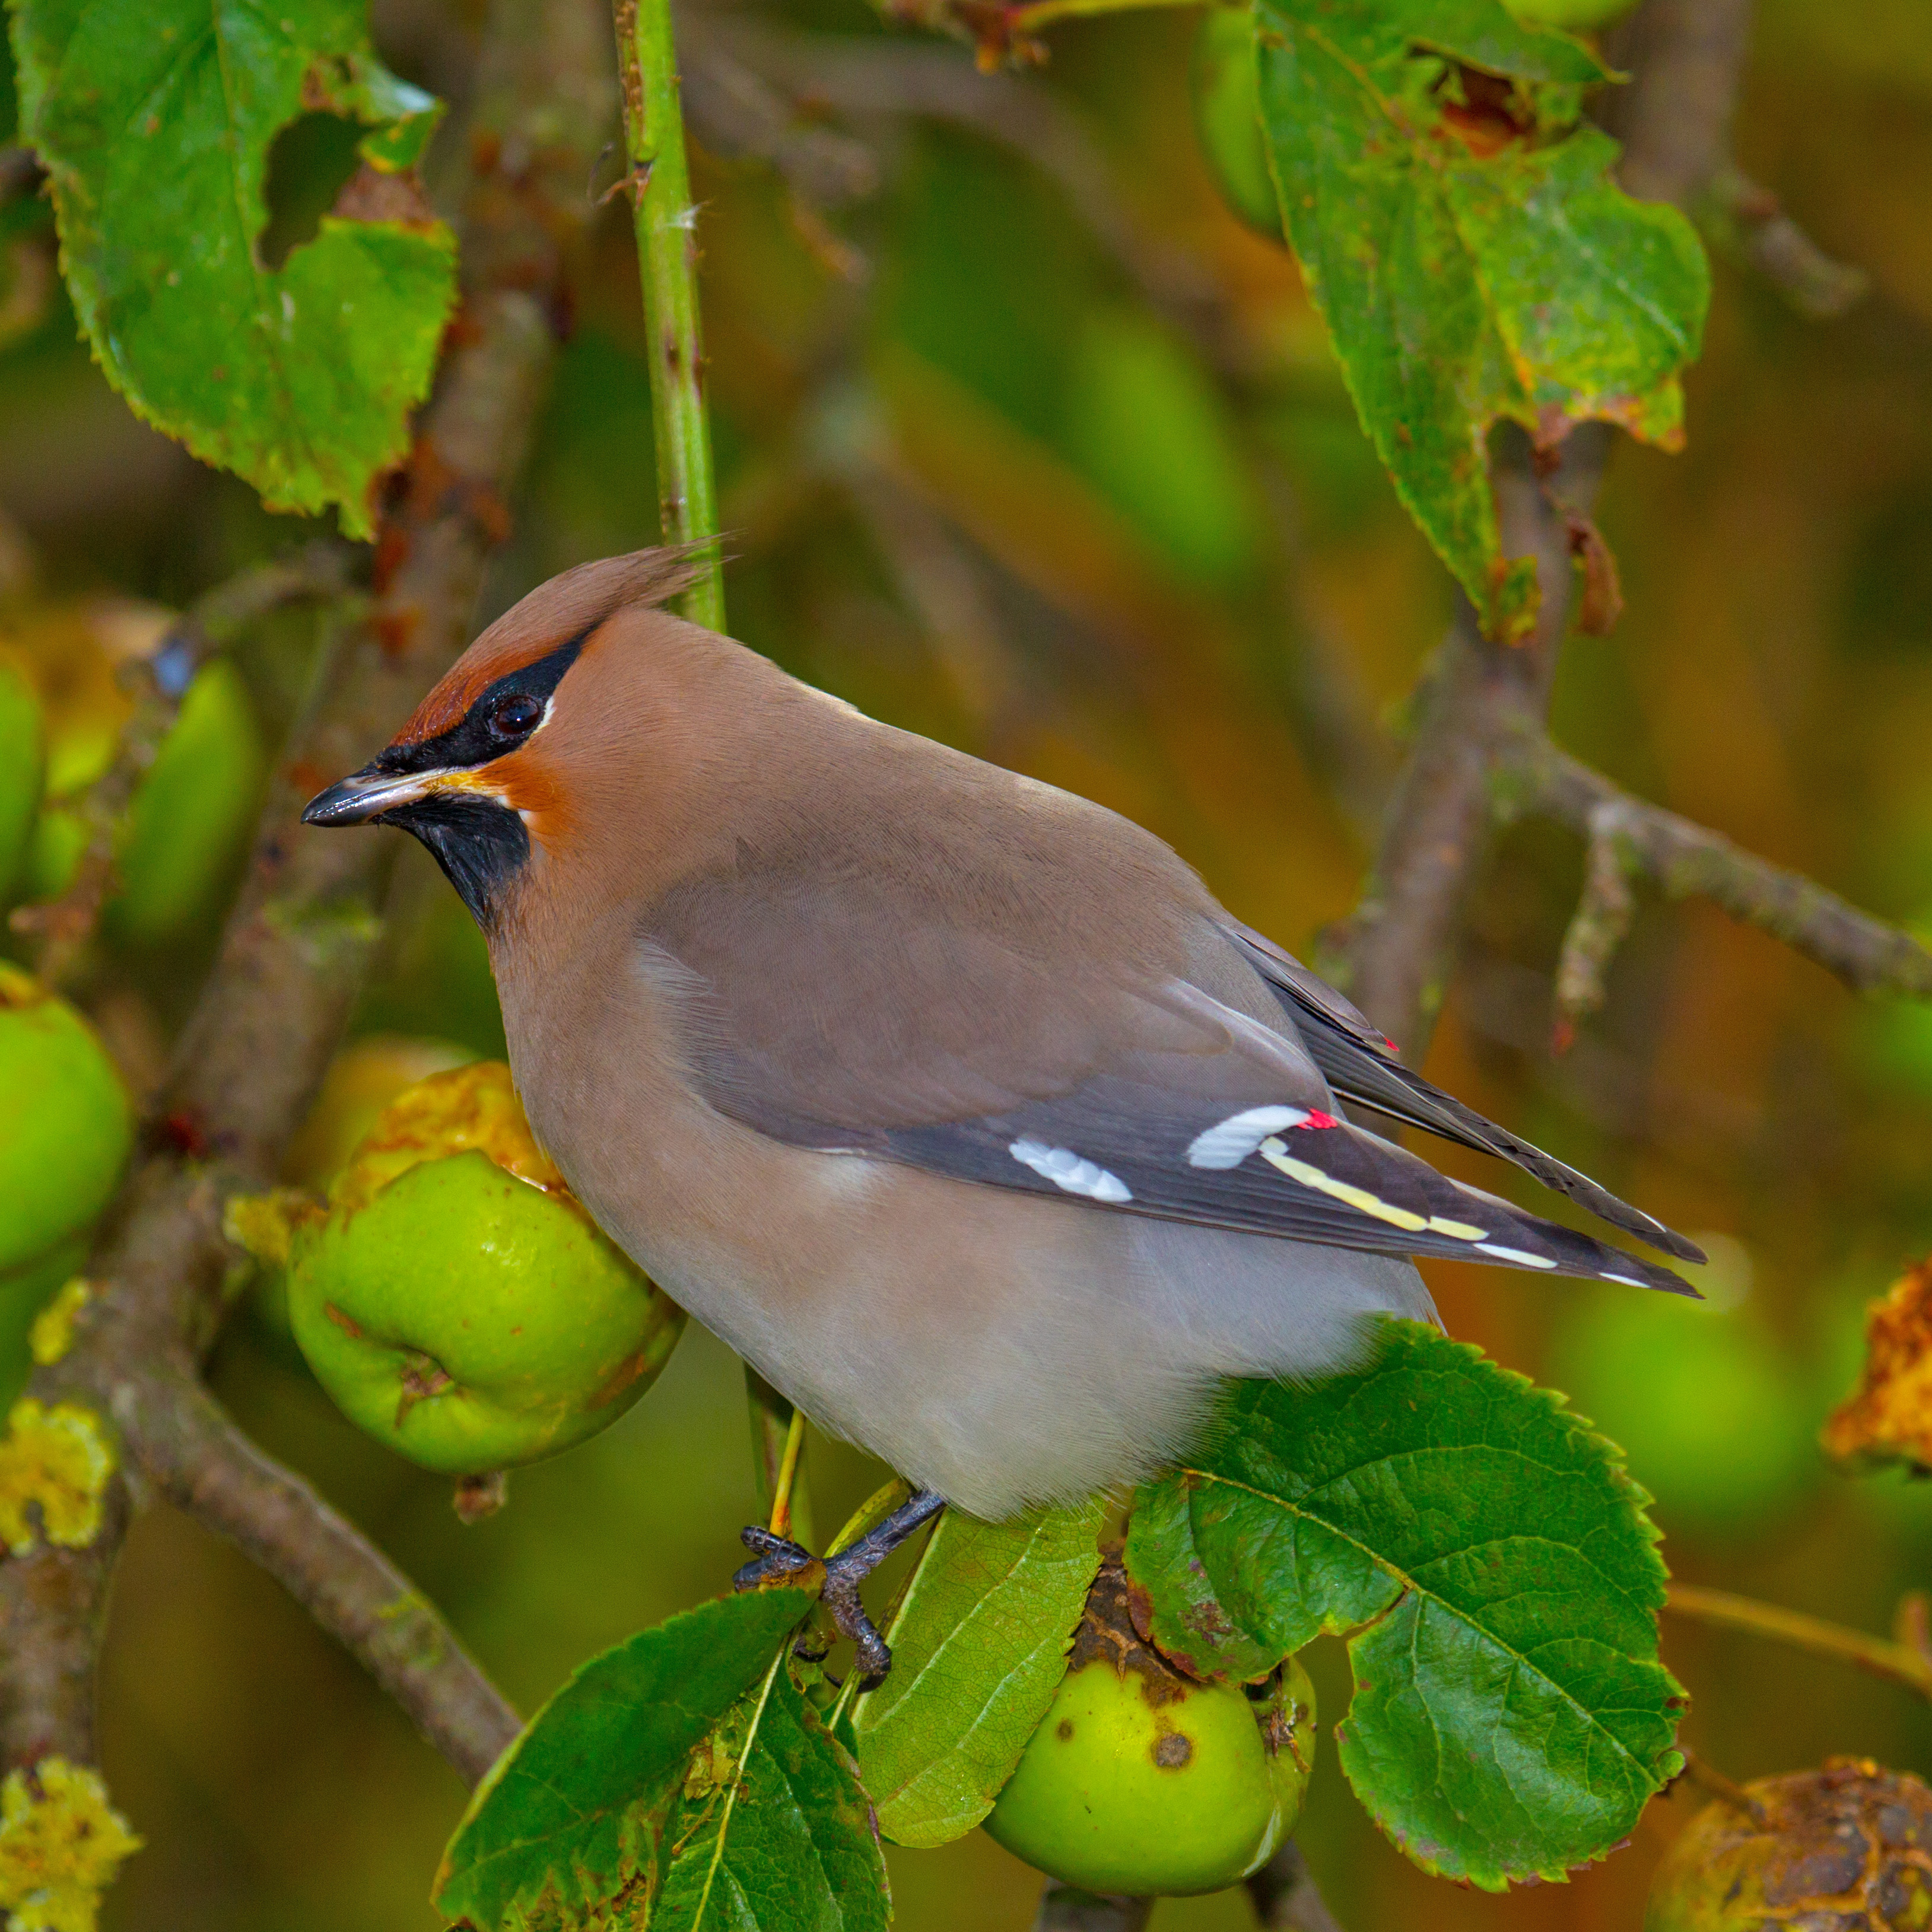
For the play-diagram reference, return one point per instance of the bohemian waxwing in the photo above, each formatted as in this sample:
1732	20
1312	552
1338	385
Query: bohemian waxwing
955	1103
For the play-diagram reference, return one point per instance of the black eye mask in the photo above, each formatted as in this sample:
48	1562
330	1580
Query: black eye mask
499	721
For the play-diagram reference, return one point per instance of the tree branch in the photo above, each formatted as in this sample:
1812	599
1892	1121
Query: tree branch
292	959
1066	1908
1685	860
1285	1897
1394	955
1600	925
1396	950
197	1458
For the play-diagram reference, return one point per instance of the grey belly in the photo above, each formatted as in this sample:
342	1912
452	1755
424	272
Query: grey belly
1006	1349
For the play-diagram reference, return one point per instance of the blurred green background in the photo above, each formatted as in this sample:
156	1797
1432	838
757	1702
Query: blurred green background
1028	444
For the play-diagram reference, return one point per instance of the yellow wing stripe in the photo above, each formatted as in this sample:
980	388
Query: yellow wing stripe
1276	1153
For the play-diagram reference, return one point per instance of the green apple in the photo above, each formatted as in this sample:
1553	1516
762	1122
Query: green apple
1144	1782
361	1081
190	818
456	1300
1221	77
22	768
1845	1846
66	1126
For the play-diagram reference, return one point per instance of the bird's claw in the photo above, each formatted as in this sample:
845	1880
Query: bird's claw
778	1562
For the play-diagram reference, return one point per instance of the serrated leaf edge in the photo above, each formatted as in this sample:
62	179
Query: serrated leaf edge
1634	1497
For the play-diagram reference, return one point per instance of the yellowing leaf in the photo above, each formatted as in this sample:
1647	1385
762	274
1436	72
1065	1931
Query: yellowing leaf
1888	1417
1474	262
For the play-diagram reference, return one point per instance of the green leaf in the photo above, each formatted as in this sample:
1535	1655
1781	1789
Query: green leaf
1474	262
979	1648
562	1832
1511	1717
154	119
772	1832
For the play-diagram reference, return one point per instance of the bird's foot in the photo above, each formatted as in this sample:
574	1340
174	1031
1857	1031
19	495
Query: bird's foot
778	1562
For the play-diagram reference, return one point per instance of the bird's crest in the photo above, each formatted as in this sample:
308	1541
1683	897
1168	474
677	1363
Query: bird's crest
566	607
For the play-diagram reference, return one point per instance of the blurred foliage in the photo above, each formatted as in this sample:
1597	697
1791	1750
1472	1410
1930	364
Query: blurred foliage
992	475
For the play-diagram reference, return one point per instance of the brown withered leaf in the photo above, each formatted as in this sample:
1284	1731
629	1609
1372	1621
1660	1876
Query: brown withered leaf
1842	1849
1888	1417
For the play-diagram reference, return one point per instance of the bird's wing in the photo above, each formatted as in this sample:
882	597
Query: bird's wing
857	1011
1361	1065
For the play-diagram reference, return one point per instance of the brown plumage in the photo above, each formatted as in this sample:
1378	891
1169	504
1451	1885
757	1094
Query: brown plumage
955	1103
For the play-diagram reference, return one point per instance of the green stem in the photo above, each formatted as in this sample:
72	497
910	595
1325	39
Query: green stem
788	1472
666	228
1024	20
1878	1654
771	1417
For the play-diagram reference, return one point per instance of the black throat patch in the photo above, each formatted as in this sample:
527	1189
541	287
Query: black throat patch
480	843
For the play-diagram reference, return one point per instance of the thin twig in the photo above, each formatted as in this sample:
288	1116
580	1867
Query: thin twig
781	1520
666	222
871	80
1687	860
1600	925
1912	1624
1901	1663
772	1418
1286	1898
734	110
253	1051
1744	220
1706	1775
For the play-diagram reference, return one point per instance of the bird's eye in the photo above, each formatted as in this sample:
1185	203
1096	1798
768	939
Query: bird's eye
512	717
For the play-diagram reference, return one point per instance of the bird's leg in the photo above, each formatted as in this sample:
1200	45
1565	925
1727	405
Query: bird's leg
777	1560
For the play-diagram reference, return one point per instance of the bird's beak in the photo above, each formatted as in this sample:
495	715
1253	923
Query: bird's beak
367	794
